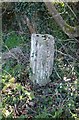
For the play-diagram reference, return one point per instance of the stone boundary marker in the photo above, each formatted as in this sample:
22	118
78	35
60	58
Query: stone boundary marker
41	58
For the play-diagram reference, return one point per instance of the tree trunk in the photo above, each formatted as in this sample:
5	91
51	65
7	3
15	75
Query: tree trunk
41	58
69	30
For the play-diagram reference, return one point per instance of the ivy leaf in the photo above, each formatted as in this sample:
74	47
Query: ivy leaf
12	80
6	112
31	96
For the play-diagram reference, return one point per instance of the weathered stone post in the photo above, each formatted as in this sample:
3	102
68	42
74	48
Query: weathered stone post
41	58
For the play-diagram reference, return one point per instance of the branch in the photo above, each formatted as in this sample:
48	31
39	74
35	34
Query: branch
15	53
29	24
69	30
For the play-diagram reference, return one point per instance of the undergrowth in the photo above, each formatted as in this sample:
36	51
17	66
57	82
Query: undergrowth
58	99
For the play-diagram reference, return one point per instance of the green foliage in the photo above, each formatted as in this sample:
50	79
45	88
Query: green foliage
12	41
61	99
14	93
